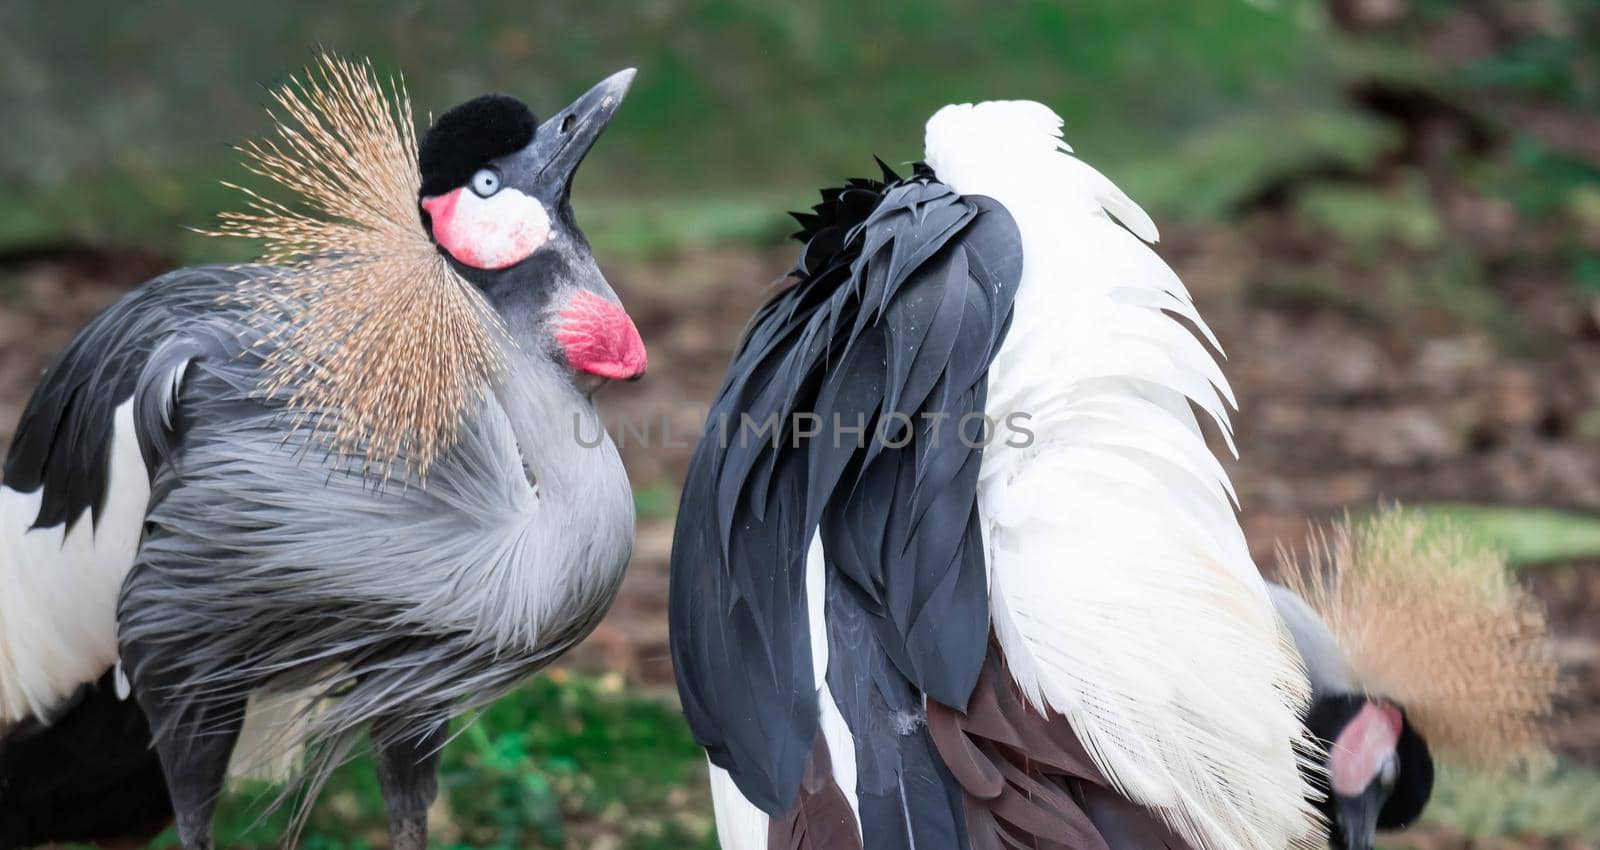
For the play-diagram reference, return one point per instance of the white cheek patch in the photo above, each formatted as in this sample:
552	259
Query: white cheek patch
489	233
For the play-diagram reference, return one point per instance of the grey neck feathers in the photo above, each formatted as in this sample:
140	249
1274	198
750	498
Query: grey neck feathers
556	427
580	519
1326	666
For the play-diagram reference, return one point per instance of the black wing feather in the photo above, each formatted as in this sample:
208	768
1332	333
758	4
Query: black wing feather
907	796
901	297
63	439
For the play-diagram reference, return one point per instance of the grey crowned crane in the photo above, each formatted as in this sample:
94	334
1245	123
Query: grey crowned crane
330	493
954	566
1416	641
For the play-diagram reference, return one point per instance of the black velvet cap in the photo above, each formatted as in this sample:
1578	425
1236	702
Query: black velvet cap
468	136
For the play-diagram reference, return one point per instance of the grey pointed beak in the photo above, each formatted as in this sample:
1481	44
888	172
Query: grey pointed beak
564	139
1358	820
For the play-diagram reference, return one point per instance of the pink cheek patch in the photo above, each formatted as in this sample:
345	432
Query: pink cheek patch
488	233
1361	749
599	338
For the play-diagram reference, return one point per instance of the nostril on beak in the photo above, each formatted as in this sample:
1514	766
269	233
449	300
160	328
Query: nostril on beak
566	123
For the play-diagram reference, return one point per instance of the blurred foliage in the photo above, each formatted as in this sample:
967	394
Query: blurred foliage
118	131
562	762
1558	60
1542	182
1525	535
1544	801
1207	174
1365	219
657	501
653	225
119	115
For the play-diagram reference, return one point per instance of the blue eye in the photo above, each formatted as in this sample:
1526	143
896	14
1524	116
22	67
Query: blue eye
485	182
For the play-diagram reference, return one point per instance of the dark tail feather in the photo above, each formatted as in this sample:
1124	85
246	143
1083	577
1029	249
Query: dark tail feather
1027	780
88	776
821	818
920	807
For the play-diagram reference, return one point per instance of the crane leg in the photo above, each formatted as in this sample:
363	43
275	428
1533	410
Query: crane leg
408	773
194	739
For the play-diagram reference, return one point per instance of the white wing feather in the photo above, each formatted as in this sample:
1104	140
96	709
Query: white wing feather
58	603
1123	594
740	824
58	591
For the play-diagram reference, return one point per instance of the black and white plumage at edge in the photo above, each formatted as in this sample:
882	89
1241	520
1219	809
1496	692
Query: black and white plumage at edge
282	547
1055	638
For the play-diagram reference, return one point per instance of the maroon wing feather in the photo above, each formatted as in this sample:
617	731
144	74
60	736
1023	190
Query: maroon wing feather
821	817
1027	780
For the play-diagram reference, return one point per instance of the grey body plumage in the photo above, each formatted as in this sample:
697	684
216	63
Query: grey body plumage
269	563
270	566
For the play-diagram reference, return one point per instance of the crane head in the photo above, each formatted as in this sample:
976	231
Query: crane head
1379	770
495	191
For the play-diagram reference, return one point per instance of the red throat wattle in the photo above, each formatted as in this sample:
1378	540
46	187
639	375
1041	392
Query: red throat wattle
1360	750
599	338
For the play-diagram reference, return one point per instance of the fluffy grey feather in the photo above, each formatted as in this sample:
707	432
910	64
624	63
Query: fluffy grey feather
1325	664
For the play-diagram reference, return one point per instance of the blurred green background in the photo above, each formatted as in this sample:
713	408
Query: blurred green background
119	115
1389	208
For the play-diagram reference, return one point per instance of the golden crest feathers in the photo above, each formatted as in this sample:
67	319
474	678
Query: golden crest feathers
1430	619
368	335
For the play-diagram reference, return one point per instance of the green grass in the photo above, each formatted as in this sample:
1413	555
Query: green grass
574	761
565	761
1527	536
1561	801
